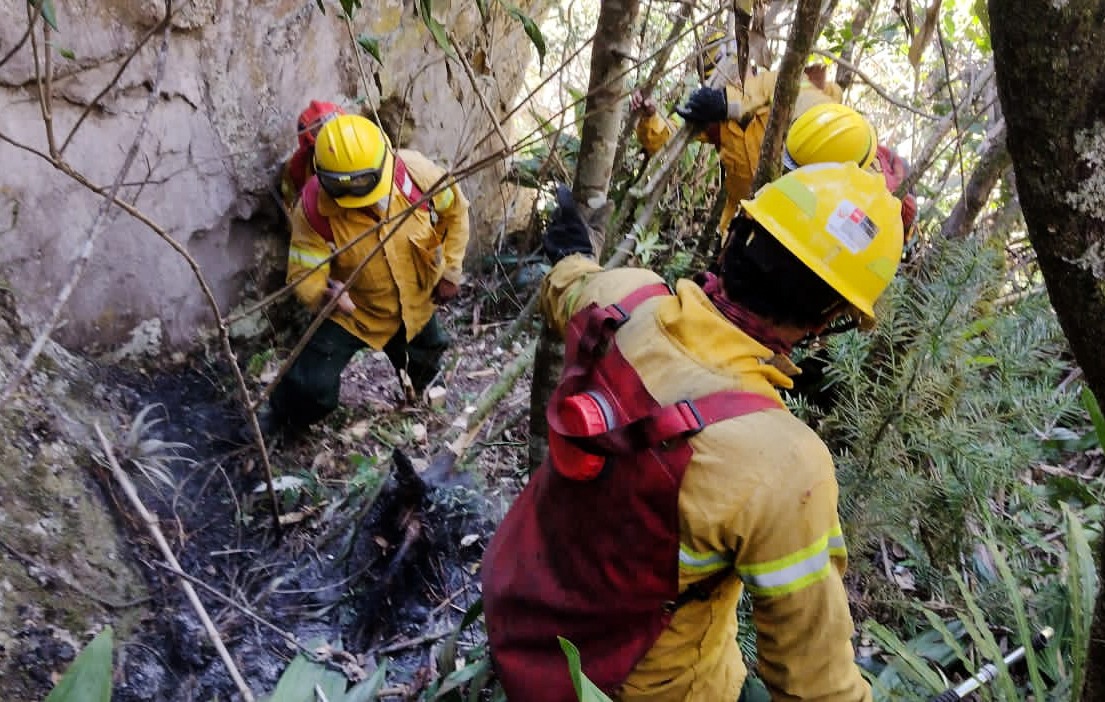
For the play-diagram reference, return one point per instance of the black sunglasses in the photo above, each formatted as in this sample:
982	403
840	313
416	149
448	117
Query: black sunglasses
356	184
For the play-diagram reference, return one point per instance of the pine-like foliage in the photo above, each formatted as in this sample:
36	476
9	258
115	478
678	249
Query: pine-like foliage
940	410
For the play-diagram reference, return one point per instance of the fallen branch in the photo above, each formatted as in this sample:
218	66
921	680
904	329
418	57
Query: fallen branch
653	78
226	599
523	319
151	524
491	397
410	643
659	171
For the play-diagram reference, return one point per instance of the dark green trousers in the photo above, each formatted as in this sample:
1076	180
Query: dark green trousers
309	390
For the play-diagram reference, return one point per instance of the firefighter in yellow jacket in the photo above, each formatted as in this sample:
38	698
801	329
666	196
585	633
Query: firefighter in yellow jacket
360	200
756	504
734	119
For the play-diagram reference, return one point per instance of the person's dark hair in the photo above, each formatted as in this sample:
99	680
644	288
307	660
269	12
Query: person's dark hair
761	275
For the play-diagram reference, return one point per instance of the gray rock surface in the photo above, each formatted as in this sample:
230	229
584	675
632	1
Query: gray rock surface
237	74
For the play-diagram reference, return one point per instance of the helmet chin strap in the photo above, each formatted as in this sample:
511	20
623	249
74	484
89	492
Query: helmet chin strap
834	327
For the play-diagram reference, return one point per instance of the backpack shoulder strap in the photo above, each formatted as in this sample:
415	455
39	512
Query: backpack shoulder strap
318	222
688	417
406	185
602	322
679	421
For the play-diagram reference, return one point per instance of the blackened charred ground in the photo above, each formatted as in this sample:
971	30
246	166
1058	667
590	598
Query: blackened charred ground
370	556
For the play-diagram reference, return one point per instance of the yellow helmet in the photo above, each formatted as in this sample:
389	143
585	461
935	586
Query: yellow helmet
830	133
716	47
841	222
353	161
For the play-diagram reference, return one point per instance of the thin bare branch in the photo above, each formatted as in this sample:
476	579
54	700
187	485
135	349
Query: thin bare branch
928	152
40	80
955	107
230	601
26	35
881	91
110	84
151	525
463	60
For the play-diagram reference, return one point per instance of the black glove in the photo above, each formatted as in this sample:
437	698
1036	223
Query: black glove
704	106
566	233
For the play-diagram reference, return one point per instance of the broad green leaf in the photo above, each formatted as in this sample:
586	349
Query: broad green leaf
447	656
532	31
913	665
1082	585
951	638
367	690
371	46
349	6
979	629
425	8
457	678
298	682
1020	614
67	53
1091	405
586	690
88	678
48	13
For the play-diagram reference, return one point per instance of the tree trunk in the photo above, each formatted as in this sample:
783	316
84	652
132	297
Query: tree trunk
1051	82
659	67
609	53
807	18
991	166
844	76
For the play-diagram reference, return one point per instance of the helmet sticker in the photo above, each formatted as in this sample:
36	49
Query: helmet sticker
851	226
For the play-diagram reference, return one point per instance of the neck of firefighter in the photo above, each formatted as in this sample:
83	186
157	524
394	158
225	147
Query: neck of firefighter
780	338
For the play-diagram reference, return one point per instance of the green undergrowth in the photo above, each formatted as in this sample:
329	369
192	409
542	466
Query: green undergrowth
960	447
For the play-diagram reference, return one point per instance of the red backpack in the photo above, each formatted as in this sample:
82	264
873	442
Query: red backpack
592	555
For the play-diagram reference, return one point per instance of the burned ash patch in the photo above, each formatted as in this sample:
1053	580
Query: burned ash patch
371	558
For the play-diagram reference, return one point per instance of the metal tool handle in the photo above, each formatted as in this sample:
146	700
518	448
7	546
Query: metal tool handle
989	671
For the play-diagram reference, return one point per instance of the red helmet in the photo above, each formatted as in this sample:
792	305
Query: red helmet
312	119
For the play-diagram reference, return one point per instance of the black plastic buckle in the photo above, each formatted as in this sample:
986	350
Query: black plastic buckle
618	315
689	412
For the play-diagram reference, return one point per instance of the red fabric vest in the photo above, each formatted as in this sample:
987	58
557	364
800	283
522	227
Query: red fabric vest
298	166
597	561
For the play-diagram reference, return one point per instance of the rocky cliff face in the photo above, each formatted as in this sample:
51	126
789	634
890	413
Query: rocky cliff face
236	75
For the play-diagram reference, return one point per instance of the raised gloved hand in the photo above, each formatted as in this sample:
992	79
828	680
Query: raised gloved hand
639	102
444	291
566	233
704	106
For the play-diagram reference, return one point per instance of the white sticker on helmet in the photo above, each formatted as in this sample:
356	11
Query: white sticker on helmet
851	226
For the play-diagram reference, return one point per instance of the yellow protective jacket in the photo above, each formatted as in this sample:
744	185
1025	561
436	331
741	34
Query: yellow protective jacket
742	135
396	284
759	499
